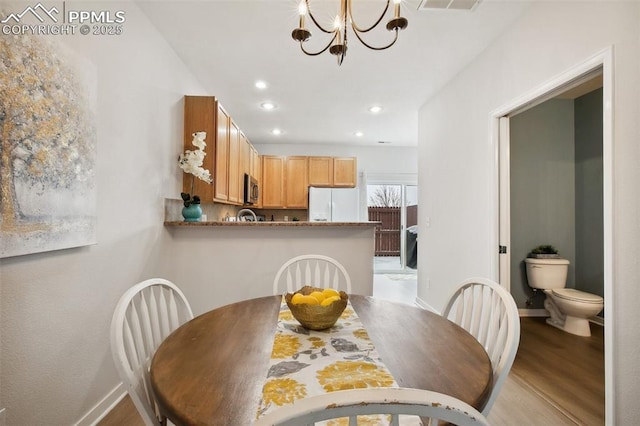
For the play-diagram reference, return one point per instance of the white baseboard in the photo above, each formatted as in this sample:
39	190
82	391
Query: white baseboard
544	313
424	305
533	312
102	408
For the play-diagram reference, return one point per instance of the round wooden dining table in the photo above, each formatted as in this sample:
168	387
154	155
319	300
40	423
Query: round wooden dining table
210	371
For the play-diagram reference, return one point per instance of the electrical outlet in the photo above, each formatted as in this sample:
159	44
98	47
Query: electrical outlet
427	286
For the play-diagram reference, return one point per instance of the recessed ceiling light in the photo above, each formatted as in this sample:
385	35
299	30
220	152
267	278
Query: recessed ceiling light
359	134
268	106
261	85
375	109
276	132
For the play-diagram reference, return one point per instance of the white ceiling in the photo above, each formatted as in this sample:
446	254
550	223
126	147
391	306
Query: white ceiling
228	45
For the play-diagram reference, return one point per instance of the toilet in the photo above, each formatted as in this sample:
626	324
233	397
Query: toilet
569	309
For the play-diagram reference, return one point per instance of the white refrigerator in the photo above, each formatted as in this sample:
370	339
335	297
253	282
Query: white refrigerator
334	205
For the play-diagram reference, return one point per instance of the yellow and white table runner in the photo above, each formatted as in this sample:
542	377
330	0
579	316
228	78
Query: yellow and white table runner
306	362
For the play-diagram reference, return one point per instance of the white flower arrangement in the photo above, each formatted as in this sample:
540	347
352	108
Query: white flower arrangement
191	162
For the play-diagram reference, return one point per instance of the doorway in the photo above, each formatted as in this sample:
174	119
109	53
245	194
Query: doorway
395	206
597	69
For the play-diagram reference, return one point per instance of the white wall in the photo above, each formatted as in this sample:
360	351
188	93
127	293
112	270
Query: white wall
56	307
457	159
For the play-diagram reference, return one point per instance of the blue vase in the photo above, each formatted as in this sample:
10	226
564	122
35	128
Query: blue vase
193	213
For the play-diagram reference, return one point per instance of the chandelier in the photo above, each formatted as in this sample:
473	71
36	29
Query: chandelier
338	43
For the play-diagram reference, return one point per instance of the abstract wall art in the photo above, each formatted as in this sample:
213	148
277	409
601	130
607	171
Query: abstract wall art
47	147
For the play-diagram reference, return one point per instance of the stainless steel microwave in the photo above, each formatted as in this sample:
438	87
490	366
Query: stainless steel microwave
251	190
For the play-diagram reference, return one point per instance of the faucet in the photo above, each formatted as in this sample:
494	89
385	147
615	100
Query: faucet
242	213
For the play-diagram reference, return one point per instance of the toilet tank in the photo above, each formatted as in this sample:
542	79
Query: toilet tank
547	273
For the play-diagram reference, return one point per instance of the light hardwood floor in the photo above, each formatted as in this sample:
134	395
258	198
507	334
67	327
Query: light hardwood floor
557	379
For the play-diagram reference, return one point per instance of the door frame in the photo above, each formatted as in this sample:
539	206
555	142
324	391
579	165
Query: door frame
601	62
394	179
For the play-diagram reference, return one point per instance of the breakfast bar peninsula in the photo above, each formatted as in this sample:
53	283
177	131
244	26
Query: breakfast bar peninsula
238	260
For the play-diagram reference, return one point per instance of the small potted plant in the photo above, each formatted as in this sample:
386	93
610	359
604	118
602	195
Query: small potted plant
191	162
544	251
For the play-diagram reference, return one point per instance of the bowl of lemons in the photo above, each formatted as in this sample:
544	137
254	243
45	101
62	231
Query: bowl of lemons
316	308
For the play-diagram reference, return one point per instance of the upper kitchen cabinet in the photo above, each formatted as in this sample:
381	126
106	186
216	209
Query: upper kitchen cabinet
321	171
333	172
344	172
245	156
256	172
272	185
297	183
229	152
200	115
235	179
221	175
284	182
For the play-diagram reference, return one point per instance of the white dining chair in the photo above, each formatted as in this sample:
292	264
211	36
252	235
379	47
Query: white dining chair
315	270
488	312
144	316
396	402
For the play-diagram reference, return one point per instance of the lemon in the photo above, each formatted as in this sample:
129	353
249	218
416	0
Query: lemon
296	298
329	300
328	292
309	300
318	295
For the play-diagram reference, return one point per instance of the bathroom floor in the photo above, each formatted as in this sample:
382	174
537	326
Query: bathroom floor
566	370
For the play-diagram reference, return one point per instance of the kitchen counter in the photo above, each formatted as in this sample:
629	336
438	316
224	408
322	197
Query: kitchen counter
269	224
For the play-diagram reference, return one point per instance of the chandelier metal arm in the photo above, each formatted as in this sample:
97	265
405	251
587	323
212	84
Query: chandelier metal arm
316	22
355	26
306	52
357	33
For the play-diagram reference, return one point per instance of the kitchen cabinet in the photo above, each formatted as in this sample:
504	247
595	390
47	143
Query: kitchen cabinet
333	172
229	152
284	182
344	172
272	185
245	156
321	171
256	172
201	115
221	142
235	196
297	182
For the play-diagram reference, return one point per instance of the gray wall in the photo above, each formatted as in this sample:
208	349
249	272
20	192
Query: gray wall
556	191
589	272
542	189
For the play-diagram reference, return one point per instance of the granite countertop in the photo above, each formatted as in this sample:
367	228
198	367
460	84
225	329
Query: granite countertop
270	224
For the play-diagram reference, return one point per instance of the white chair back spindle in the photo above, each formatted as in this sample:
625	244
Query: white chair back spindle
394	402
314	270
144	316
488	312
